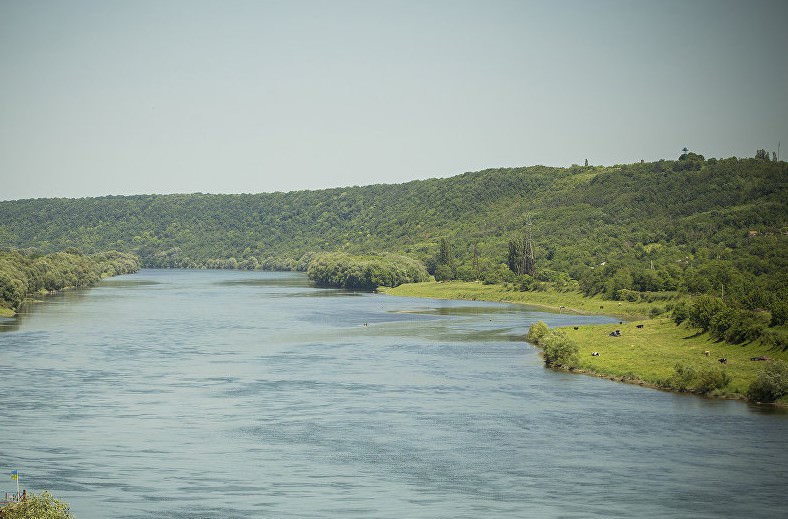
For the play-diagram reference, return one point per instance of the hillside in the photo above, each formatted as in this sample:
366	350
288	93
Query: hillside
589	223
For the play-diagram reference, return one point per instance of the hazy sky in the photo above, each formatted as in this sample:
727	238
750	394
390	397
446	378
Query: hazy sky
127	97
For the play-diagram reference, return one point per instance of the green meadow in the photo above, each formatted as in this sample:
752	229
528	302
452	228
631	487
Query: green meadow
645	355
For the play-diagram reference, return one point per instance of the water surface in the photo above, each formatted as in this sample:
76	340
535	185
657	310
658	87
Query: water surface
242	394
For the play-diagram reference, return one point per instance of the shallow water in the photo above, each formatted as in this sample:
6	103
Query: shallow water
245	394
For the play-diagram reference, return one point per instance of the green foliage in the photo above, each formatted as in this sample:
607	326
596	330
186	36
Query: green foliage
536	331
713	379
771	384
365	272
775	340
704	381
682	378
631	231
779	312
26	272
703	310
680	312
559	350
37	506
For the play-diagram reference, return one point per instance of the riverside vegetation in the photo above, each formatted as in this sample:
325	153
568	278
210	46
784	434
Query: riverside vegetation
37	506
25	273
700	242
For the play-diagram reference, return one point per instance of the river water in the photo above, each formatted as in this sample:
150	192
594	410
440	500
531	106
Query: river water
221	394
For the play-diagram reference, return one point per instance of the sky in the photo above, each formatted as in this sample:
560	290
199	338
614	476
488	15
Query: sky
136	97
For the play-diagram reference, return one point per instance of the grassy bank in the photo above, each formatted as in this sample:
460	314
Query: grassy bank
645	355
650	354
6	312
551	300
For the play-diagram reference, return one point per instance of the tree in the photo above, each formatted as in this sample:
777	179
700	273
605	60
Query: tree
536	331
516	259
445	253
41	506
703	309
444	262
762	155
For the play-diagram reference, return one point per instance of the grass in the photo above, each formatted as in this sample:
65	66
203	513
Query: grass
650	354
644	355
6	312
553	300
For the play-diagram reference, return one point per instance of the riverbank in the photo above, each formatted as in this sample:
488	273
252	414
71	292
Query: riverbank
646	352
558	301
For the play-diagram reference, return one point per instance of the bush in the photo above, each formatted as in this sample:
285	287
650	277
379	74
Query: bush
682	378
779	313
771	384
560	350
536	332
680	312
709	380
43	506
746	327
774	339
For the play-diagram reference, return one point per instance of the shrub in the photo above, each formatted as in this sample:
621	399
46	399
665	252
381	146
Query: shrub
42	506
771	383
682	378
774	339
560	350
779	313
536	332
709	380
745	327
680	312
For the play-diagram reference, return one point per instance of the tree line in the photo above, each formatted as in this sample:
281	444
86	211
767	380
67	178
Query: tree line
654	231
24	272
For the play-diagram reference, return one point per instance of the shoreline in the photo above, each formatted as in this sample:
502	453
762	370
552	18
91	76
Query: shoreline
645	354
559	302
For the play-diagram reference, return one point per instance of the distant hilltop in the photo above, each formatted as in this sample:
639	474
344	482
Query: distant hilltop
664	216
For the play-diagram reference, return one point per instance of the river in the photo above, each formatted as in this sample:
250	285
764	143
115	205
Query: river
223	394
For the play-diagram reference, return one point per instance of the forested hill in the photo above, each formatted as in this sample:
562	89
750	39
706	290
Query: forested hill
665	216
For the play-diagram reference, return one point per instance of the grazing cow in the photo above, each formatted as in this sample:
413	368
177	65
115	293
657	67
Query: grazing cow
616	333
707	353
762	357
577	327
595	354
601	306
723	360
639	326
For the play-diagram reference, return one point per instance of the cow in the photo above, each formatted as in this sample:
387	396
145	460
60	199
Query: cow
723	360
707	353
639	326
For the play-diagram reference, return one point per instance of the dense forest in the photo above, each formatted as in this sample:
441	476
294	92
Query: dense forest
25	272
644	231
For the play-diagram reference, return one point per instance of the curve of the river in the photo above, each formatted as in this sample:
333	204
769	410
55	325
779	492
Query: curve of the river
180	394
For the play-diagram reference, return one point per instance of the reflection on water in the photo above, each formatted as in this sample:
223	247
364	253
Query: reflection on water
231	394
